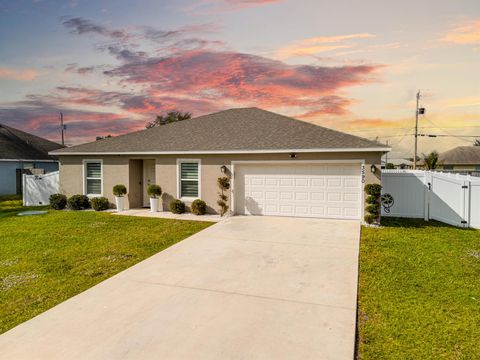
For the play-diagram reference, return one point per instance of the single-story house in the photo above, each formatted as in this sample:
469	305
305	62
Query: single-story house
461	158
20	153
277	165
397	163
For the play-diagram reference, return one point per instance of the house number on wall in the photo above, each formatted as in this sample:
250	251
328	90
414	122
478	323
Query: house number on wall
363	174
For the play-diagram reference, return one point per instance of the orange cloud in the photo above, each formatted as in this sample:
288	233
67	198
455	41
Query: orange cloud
319	44
467	33
19	75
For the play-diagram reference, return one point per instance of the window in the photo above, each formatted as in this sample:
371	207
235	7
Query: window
447	167
93	177
189	179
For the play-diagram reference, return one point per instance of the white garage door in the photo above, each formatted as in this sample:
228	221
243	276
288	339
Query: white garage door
302	189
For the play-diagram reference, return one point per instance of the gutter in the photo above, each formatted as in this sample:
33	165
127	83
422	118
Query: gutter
219	152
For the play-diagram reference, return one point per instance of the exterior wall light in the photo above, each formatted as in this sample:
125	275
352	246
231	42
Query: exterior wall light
373	169
223	169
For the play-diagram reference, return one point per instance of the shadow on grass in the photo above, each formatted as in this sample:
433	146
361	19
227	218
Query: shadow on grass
395	222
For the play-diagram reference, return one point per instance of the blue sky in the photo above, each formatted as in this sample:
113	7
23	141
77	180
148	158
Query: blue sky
110	66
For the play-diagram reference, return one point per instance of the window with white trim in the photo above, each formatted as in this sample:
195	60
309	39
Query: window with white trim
189	179
93	178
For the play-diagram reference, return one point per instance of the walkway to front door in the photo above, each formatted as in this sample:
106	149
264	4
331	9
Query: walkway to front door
246	288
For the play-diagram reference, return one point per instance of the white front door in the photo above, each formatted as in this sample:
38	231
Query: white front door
148	179
301	189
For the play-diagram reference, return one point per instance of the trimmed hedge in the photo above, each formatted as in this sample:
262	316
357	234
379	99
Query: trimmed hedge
58	201
119	190
154	191
177	206
78	202
373	189
373	209
100	203
199	207
370	218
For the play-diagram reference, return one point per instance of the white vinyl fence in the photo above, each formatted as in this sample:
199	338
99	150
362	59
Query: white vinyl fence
450	198
38	188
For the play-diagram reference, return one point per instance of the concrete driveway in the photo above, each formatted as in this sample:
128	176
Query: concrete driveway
245	288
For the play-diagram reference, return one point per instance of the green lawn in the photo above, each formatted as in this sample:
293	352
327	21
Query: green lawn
419	291
46	259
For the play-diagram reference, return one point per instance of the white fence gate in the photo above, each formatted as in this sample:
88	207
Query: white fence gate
38	188
450	198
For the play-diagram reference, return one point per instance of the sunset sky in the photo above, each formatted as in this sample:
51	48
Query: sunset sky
111	66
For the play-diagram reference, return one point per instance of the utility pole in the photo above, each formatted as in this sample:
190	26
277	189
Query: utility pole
386	157
416	132
62	127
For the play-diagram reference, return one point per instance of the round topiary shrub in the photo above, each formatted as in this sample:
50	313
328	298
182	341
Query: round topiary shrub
58	201
373	189
373	209
370	218
177	206
119	190
100	203
154	191
78	202
372	199
199	207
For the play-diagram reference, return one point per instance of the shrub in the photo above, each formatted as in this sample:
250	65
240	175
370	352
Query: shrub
370	218
373	209
224	184
100	203
78	202
373	189
199	207
177	206
372	199
58	201
154	191
119	190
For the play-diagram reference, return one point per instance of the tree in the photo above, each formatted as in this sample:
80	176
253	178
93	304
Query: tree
389	166
170	117
477	142
103	137
431	160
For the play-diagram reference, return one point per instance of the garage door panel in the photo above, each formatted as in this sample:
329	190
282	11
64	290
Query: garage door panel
314	190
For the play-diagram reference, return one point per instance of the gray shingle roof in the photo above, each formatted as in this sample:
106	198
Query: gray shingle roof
16	144
461	155
230	130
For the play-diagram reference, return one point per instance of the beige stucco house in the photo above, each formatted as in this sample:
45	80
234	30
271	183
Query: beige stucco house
461	159
277	165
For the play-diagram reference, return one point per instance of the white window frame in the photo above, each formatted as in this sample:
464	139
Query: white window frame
179	180
85	162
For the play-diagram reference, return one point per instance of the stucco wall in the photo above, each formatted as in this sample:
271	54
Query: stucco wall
116	170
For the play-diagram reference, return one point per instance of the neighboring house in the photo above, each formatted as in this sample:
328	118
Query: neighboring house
398	163
277	165
20	153
461	158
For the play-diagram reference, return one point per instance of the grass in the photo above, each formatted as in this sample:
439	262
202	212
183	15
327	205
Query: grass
46	259
419	291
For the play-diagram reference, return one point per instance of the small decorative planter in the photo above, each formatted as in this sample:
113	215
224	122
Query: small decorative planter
154	204
120	191
154	191
120	202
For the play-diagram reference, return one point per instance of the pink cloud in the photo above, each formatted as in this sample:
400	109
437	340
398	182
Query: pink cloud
18	74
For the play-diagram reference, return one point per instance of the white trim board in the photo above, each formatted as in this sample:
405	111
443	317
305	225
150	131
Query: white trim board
200	152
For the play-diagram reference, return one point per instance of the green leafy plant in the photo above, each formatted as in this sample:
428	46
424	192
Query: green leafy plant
154	191
199	207
100	203
224	184
119	190
430	160
389	166
78	202
374	192
58	201
177	206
